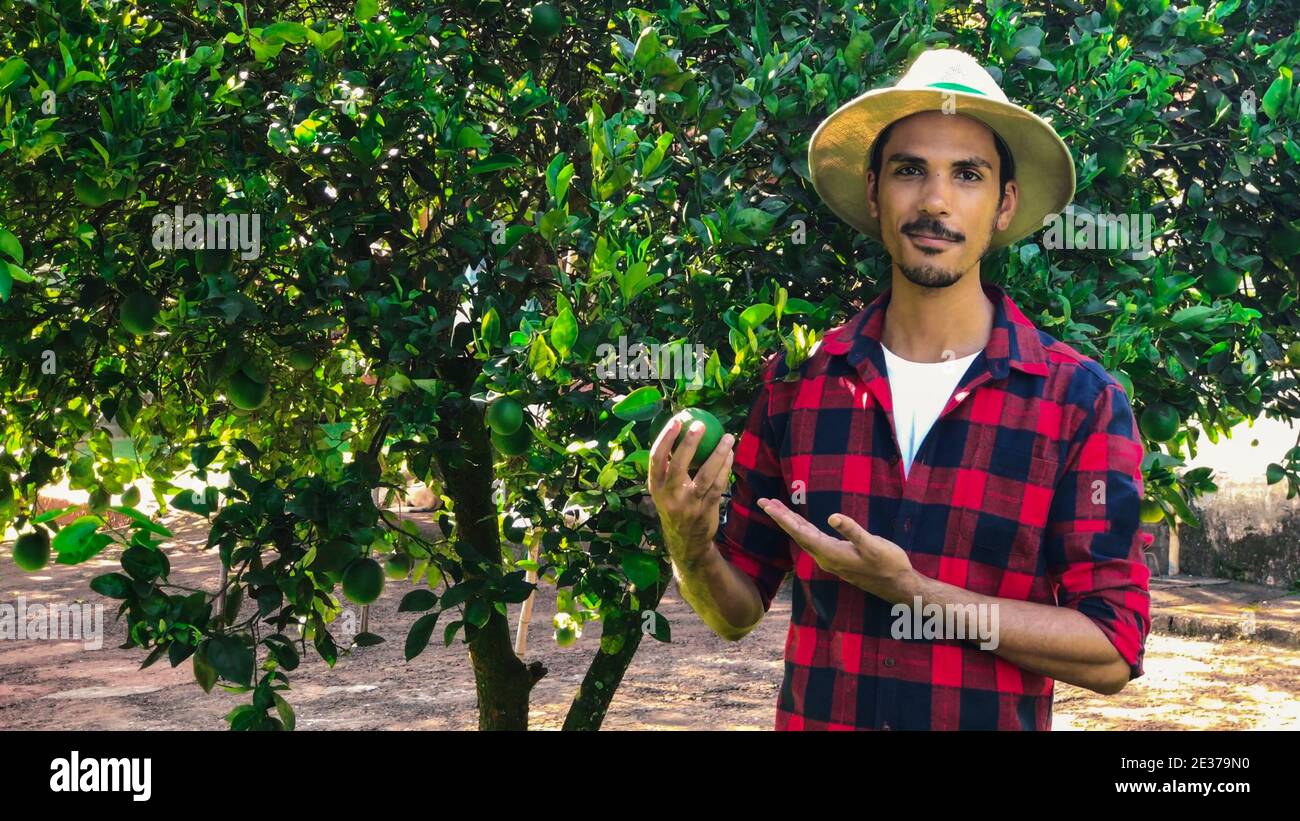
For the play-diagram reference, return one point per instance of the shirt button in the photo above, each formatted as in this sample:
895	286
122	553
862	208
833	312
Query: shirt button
889	662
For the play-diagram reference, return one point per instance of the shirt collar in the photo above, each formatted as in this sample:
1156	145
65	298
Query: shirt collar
1013	343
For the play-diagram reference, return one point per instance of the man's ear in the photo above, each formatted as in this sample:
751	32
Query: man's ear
1010	201
873	204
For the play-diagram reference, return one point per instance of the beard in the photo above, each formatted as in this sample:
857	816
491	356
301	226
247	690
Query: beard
938	276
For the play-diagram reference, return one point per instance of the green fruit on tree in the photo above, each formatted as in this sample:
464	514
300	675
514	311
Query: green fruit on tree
1151	511
546	21
363	581
1111	159
1159	422
514	444
302	359
566	629
1220	280
505	416
32	550
708	441
398	566
138	313
92	193
335	555
245	392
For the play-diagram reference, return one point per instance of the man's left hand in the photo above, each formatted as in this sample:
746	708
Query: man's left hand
862	559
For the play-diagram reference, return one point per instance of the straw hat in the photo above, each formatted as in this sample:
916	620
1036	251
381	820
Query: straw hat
839	152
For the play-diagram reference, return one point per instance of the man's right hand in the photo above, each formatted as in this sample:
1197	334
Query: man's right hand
688	508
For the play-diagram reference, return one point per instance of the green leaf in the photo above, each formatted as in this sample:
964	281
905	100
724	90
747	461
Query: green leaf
744	127
755	315
112	585
647	47
286	32
639	405
1275	473
641	569
418	638
10	71
564	332
541	359
80	540
366	9
367	639
143	521
417	601
1194	316
204	672
10	247
496	162
1278	93
285	712
490	328
231	658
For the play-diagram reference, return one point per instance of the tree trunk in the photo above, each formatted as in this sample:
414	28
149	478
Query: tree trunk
607	669
502	680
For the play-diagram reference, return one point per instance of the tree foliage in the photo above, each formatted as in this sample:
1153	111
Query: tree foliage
462	204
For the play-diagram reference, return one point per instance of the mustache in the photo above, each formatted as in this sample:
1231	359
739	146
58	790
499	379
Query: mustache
933	227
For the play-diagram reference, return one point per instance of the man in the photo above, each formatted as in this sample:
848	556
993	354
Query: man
937	451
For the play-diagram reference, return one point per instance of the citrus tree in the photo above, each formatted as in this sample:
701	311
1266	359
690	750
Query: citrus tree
447	215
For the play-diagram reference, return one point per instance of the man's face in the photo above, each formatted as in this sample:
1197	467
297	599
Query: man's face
937	196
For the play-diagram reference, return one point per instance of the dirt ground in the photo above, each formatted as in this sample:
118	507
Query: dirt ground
698	681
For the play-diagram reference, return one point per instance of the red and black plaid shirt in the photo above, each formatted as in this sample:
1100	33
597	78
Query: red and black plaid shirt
1027	487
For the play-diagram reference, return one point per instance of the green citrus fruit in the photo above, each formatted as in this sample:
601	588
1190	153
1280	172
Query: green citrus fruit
398	566
708	441
246	393
91	193
32	550
514	444
1220	280
566	629
1110	158
1159	422
546	21
138	313
302	360
1151	512
363	581
505	416
335	555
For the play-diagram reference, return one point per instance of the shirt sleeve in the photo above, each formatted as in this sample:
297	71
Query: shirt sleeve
1094	542
749	539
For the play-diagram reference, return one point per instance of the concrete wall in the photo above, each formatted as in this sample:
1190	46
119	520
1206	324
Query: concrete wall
1249	530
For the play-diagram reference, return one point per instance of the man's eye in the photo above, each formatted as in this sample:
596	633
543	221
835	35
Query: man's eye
974	177
908	168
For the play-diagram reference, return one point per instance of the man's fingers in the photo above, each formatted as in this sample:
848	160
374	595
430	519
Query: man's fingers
715	465
685	452
724	476
822	547
850	529
659	452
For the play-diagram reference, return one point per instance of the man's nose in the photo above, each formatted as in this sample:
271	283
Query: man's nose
934	195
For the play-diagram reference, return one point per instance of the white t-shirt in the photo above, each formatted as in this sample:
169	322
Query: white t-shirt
920	390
